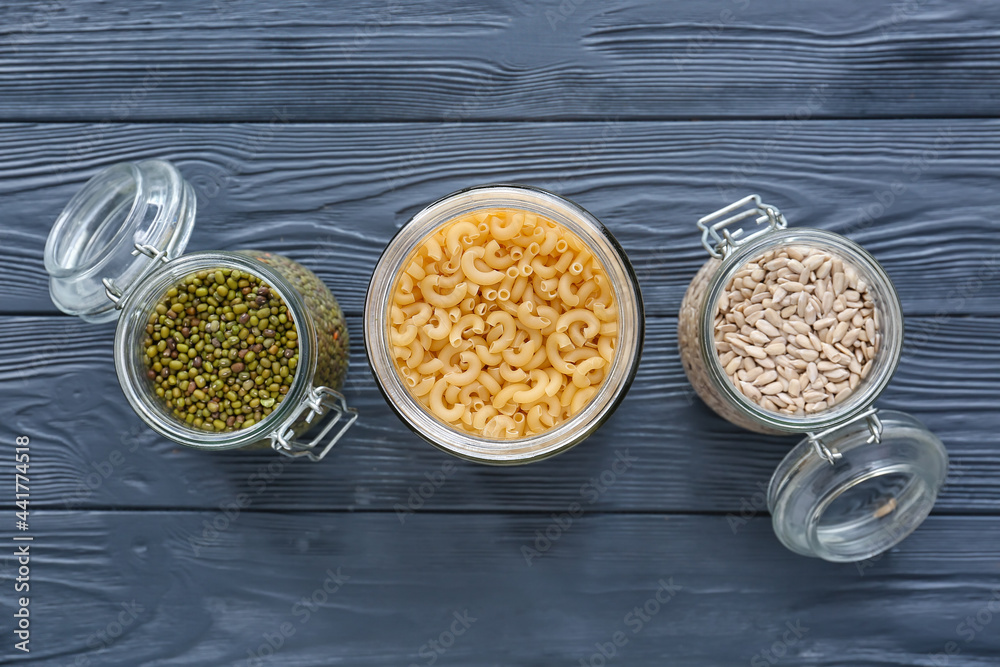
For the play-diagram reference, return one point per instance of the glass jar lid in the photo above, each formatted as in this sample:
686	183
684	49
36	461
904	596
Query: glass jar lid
110	233
859	489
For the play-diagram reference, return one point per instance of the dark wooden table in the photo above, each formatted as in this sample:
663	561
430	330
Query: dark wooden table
315	130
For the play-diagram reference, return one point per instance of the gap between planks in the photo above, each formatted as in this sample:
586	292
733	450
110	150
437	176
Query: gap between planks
110	509
638	118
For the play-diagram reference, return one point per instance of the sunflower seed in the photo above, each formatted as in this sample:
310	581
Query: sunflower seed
797	330
775	348
772	389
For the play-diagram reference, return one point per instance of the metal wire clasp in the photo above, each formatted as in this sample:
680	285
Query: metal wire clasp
114	292
319	401
830	454
719	245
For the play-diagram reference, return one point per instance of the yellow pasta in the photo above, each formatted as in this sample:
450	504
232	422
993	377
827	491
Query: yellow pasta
482	416
474	366
415	355
503	324
423	387
445	300
461	235
580	375
416	313
476	274
404	335
436	403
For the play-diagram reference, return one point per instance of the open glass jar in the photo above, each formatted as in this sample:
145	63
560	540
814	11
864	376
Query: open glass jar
555	239
115	252
813	339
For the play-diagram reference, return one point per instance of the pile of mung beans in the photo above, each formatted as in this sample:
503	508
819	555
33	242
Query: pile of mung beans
221	349
332	353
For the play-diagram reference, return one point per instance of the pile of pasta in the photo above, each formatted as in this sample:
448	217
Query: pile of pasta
503	324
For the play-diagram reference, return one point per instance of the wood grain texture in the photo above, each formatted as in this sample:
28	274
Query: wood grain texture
244	60
316	130
92	451
331	196
201	598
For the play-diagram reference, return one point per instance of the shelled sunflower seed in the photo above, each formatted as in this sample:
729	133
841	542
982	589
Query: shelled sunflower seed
221	349
797	330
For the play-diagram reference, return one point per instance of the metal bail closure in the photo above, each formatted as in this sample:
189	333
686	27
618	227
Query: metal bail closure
830	454
721	244
319	402
114	292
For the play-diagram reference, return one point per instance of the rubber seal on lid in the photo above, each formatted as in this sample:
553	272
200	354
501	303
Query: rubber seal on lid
127	205
875	492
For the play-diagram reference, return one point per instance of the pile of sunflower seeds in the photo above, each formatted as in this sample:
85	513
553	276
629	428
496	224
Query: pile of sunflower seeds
797	330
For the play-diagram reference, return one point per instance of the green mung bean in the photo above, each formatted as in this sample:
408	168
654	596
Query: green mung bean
198	319
281	351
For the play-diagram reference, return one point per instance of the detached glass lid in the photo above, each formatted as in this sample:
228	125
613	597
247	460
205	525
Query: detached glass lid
103	241
857	490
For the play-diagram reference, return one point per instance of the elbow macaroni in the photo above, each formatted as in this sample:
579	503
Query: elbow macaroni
503	324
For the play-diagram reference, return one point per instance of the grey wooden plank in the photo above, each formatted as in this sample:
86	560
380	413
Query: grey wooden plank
60	389
196	600
495	59
332	195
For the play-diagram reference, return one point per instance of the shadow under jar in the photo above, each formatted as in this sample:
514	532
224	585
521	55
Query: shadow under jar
481	318
115	252
758	333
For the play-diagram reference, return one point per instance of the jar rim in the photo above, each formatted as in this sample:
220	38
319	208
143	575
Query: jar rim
131	375
887	359
628	350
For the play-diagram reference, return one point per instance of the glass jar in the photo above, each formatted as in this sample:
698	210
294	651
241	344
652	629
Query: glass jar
605	249
115	251
824	495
